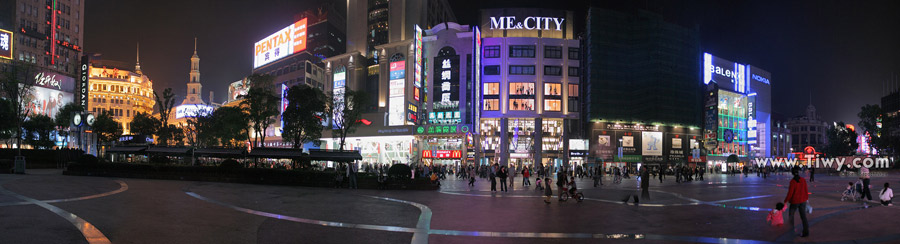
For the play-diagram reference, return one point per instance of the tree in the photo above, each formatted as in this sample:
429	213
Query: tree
107	129
199	130
261	106
841	141
144	124
165	131
231	126
306	109
7	113
870	116
38	128
64	118
16	86
347	113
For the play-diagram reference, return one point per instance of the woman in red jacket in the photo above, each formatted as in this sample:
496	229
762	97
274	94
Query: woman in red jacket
797	196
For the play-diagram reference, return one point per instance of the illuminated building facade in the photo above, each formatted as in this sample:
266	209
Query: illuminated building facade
116	89
529	89
808	130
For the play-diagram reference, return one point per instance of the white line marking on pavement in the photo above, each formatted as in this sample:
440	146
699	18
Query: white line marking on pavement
90	232
424	223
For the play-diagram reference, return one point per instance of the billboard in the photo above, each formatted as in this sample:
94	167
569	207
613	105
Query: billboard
396	92
340	81
287	41
83	81
6	44
653	143
237	89
192	110
418	67
48	101
725	73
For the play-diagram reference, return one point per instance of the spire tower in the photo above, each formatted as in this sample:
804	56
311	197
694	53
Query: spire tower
137	63
194	88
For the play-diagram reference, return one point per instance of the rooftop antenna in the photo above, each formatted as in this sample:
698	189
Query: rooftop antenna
137	64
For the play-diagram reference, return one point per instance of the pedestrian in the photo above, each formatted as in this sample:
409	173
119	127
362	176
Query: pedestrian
596	176
677	174
525	174
886	195
561	182
812	174
351	174
645	183
548	193
797	196
701	174
662	174
493	176
471	176
775	217
502	175
864	175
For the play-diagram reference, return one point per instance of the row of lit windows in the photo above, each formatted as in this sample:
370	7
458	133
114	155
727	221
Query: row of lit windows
528	51
118	88
527	104
549	70
527	88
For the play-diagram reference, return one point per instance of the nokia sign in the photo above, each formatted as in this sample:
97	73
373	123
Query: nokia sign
529	23
760	78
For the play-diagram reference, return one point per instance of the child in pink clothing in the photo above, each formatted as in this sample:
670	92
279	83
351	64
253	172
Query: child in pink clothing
775	216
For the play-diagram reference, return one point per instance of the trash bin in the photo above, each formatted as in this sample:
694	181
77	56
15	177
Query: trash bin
20	165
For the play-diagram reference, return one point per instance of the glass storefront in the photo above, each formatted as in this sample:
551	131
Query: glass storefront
379	149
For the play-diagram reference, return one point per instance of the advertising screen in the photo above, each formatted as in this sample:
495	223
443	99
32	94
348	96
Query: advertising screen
732	123
54	81
48	101
725	73
396	90
192	110
287	41
237	89
339	80
419	47
6	44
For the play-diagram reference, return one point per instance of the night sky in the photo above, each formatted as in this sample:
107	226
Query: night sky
841	52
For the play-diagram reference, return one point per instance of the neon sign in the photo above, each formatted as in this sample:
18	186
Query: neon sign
6	44
287	41
529	23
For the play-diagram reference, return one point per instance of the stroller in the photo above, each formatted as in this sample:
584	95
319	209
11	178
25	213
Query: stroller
854	193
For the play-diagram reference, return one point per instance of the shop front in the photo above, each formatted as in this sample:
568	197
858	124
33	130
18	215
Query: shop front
444	144
386	150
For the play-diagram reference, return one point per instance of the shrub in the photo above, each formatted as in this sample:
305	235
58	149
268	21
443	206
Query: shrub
399	171
87	159
230	164
159	159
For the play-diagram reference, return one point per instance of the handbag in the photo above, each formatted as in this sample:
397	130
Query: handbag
809	208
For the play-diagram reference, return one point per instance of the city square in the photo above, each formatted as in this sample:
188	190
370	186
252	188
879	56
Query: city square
720	209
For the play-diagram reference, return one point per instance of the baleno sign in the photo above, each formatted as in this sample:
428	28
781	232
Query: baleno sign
530	23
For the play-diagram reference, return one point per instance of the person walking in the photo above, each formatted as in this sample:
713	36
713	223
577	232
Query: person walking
525	174
548	192
886	195
812	174
351	174
512	177
596	175
502	175
662	174
471	174
561	181
797	196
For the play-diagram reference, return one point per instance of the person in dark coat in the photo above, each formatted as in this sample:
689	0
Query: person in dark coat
645	182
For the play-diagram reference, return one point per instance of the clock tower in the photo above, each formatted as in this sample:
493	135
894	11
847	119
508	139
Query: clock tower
194	88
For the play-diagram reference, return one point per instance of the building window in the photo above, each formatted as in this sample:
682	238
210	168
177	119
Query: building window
491	51
492	70
521	104
552	52
492	88
521	51
521	70
573	71
521	88
552	70
573	104
574	53
552	105
573	90
491	104
552	89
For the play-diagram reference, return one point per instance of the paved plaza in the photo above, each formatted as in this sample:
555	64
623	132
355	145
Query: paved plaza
47	207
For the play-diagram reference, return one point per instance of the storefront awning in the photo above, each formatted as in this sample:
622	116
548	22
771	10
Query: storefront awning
220	152
132	149
334	155
263	152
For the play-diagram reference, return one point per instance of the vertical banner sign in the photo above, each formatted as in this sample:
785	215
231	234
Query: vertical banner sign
396	90
6	44
446	92
284	103
477	68
338	89
83	82
53	27
418	68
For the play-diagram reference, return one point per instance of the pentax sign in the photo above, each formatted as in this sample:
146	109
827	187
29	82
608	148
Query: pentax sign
287	41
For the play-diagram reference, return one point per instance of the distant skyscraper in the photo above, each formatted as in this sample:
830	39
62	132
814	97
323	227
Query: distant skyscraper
48	34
